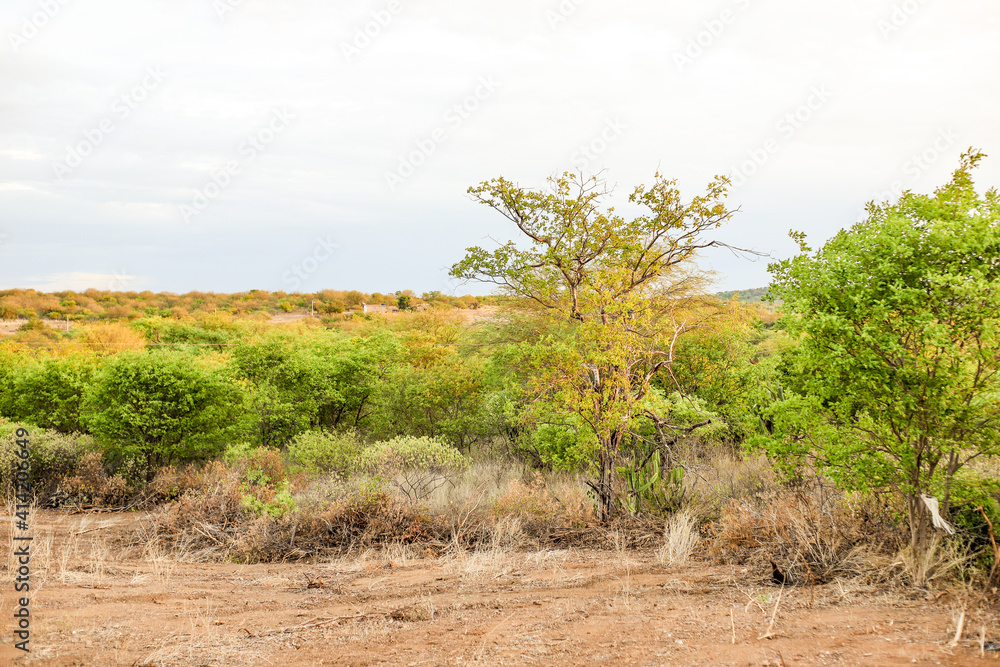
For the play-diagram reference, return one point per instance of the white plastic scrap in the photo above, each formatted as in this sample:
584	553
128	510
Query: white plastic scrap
932	505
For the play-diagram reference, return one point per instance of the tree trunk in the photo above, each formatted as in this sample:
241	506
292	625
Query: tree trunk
920	524
605	485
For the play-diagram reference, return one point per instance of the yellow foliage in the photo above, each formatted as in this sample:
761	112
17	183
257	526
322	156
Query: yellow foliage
107	338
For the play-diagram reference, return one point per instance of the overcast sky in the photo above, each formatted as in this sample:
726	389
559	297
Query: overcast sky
298	145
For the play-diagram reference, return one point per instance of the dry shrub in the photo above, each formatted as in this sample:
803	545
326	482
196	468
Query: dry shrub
366	517
715	481
92	486
942	560
539	509
172	482
814	534
200	525
214	523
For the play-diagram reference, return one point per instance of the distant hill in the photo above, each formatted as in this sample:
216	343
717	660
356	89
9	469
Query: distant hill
753	295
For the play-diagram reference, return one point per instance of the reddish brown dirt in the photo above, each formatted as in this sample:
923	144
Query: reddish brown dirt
552	607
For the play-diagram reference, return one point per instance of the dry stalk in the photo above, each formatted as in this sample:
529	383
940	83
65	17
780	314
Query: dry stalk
958	631
769	634
751	601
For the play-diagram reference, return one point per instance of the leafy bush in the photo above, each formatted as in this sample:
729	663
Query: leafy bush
325	452
417	466
49	393
163	407
264	484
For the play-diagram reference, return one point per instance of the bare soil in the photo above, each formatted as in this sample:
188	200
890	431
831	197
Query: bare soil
95	604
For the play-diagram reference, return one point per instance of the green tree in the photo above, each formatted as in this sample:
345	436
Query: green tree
622	284
353	370
163	407
898	321
285	386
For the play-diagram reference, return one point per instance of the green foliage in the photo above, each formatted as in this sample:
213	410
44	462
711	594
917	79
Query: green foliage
264	486
417	466
166	408
283	387
617	283
898	322
185	335
295	384
326	452
752	295
972	496
562	446
412	453
726	365
49	392
438	397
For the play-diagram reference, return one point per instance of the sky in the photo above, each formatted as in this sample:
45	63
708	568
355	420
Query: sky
301	145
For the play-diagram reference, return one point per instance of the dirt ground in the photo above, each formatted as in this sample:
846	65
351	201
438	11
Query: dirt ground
92	605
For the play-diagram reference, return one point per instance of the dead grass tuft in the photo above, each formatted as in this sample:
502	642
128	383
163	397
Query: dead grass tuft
680	538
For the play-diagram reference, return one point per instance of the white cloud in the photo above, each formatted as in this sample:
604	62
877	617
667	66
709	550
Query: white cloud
354	120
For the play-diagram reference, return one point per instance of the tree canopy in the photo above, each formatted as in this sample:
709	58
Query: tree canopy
622	285
898	320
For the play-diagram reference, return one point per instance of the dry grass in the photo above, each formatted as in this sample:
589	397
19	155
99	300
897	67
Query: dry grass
680	539
942	560
814	534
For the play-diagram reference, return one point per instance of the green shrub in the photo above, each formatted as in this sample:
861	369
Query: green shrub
163	407
411	453
969	493
49	393
416	466
264	484
325	452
